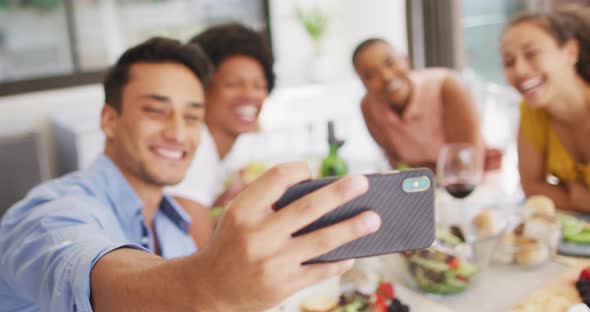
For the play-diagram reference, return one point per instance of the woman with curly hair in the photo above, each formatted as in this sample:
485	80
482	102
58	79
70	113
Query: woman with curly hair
546	58
242	80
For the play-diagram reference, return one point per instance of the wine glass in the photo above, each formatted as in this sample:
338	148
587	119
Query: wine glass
459	168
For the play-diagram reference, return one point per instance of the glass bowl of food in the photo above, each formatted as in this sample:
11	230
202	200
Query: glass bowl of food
533	238
447	267
517	247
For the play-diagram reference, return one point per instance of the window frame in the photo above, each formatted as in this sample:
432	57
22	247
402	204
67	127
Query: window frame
435	30
78	76
434	33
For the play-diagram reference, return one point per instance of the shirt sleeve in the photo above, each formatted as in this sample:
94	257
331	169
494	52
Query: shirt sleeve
534	124
49	250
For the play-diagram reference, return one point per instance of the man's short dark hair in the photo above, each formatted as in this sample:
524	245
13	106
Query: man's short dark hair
154	50
363	46
224	41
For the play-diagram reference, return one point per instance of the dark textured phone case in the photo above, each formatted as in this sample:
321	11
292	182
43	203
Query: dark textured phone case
407	219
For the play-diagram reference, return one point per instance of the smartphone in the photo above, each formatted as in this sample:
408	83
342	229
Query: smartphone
404	200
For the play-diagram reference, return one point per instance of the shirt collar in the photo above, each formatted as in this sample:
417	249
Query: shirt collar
123	198
174	211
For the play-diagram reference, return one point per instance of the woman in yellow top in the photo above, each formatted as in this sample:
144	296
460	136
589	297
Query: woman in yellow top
546	57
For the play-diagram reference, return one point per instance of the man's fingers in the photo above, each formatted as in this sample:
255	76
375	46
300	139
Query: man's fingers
321	241
312	274
313	244
312	206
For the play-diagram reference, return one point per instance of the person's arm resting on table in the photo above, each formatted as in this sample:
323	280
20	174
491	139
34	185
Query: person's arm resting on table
533	179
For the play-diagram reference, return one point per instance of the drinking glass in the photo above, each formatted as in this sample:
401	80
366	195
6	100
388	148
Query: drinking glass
459	169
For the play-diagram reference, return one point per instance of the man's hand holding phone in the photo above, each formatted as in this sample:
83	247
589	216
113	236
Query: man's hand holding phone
254	262
404	201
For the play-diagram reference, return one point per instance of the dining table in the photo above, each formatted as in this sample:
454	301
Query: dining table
496	287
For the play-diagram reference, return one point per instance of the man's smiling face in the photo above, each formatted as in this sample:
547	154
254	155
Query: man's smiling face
154	136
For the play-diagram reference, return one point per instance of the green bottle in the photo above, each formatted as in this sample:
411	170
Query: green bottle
333	164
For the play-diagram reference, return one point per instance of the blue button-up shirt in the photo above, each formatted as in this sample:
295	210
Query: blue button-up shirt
50	240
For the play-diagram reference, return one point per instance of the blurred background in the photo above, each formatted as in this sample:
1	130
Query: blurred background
53	54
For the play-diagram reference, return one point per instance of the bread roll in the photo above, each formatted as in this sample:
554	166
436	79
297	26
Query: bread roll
541	229
486	223
539	205
505	249
531	252
318	304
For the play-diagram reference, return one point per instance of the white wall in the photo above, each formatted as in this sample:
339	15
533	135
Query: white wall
349	23
23	112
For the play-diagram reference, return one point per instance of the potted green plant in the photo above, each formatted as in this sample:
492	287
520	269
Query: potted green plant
315	23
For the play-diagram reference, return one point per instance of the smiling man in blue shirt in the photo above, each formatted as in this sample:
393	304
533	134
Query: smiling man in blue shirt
107	239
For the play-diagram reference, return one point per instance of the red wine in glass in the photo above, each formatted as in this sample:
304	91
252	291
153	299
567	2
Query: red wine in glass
460	190
459	168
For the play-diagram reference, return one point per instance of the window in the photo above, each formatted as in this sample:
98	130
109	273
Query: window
33	40
126	23
55	43
482	24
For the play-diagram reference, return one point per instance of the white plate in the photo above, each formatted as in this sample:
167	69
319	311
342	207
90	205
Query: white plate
580	307
331	289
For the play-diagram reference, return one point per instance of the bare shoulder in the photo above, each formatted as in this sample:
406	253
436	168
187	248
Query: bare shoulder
365	104
365	100
455	91
193	208
437	74
459	111
452	81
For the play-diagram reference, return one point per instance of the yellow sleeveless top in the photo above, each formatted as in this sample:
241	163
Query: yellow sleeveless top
535	125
